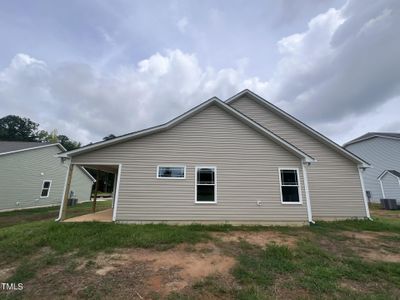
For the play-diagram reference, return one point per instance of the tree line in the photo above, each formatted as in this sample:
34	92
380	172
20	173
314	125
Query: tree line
15	128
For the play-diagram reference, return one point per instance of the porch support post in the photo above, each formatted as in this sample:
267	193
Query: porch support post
304	166
113	192
95	191
67	187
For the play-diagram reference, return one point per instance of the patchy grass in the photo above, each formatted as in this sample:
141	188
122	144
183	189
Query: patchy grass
95	260
15	217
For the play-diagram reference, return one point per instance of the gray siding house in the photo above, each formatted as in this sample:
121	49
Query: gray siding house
382	151
32	176
242	161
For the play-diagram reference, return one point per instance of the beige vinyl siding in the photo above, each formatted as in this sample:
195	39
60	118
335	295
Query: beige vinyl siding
21	180
334	182
247	171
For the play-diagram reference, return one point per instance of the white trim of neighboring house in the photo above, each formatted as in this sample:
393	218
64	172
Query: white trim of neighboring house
302	125
269	134
33	148
380	177
215	185
370	137
299	191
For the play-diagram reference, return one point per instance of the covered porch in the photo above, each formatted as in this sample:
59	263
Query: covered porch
104	215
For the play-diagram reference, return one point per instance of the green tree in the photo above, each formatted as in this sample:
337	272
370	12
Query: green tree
109	137
14	128
67	143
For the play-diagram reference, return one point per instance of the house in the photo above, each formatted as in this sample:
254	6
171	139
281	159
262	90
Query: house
382	151
32	176
242	161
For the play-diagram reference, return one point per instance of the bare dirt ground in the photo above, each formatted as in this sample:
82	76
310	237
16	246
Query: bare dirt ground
258	238
143	273
375	246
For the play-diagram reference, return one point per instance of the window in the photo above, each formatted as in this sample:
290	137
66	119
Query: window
206	185
289	186
172	172
45	189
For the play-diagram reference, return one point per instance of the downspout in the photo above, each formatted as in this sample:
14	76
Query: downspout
360	170
308	201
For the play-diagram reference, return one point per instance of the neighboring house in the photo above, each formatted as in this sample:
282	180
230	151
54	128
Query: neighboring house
240	161
31	176
382	151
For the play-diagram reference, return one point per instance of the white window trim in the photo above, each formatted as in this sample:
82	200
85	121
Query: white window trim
215	185
171	166
48	193
299	190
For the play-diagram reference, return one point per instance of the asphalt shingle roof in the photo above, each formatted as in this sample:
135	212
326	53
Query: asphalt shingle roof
8	146
371	134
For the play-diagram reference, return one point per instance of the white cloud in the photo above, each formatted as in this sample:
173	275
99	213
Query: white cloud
343	66
88	105
340	75
182	24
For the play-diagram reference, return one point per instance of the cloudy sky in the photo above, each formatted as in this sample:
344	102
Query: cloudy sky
91	68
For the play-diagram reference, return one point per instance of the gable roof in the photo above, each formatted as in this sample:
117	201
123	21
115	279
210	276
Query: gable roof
213	101
370	135
393	172
320	137
10	147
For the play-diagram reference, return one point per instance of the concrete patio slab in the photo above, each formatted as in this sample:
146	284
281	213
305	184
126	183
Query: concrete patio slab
101	216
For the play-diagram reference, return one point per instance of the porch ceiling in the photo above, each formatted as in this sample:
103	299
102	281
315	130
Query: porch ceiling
105	168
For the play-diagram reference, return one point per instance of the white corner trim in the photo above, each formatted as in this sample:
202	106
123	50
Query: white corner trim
299	191
171	166
307	191
114	218
215	185
364	193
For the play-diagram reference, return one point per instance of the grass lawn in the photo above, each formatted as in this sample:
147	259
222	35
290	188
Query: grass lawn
346	259
10	218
